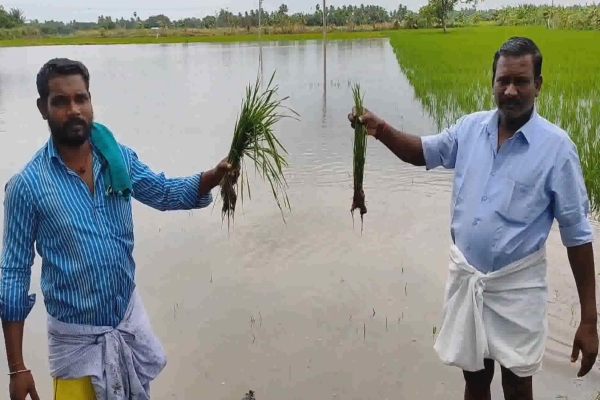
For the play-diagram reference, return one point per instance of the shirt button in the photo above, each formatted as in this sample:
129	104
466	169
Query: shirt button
475	223
493	174
468	248
484	198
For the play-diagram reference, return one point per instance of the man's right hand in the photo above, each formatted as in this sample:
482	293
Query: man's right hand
370	120
21	385
408	148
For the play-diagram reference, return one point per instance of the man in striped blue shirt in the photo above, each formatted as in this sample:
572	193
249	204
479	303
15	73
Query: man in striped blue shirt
83	235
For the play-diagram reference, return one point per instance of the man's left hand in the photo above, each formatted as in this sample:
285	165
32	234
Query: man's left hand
586	342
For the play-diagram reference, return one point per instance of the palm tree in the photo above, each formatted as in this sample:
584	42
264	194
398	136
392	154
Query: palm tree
17	15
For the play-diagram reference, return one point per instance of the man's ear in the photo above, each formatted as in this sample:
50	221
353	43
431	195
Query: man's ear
43	108
538	85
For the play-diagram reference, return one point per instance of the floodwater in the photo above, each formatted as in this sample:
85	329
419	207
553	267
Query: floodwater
308	310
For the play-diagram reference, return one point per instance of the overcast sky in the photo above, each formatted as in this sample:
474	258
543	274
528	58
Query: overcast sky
89	10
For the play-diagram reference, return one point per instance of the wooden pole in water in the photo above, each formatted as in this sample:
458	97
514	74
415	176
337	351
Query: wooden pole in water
259	15
324	20
324	40
259	40
324	60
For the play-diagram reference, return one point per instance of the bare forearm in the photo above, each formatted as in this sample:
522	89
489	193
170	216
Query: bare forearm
13	340
406	147
581	259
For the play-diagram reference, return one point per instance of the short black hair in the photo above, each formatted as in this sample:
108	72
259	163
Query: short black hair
519	46
59	66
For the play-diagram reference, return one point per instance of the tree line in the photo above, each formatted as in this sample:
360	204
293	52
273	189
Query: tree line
437	13
11	18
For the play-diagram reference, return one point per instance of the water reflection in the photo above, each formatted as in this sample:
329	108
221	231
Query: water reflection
324	115
260	60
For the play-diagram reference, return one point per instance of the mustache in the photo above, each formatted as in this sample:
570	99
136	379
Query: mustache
510	102
74	122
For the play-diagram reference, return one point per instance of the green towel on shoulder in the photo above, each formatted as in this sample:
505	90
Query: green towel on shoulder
116	176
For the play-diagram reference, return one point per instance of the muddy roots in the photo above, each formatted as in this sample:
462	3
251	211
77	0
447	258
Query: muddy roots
229	195
358	202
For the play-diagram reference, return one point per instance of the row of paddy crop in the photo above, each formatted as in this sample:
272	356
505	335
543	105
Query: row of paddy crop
452	75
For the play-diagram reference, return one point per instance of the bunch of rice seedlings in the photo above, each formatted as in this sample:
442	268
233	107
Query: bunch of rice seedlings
360	153
253	138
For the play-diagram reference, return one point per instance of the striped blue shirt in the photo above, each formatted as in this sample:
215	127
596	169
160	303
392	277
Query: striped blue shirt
505	200
85	240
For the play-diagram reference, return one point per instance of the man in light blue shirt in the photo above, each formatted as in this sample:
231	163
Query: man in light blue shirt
514	173
84	234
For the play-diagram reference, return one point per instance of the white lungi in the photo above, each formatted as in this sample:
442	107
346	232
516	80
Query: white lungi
500	315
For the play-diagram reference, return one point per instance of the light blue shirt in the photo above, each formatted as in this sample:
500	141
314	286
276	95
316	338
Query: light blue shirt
85	240
505	201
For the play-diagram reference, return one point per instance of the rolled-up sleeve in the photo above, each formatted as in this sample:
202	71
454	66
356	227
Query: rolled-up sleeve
440	150
570	200
18	254
166	194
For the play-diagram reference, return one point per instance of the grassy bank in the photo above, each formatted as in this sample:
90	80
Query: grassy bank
20	38
451	75
82	40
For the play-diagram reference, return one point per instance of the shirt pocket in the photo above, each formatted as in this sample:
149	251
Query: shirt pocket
119	216
518	201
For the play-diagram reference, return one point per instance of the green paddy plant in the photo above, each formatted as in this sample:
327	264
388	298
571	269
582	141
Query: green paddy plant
254	139
448	88
360	154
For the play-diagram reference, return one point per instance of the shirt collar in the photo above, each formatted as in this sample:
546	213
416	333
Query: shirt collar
53	152
526	130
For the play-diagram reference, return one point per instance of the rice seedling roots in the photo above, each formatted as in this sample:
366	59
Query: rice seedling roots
358	202
228	192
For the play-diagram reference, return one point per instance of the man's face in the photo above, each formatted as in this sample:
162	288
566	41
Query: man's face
68	110
515	88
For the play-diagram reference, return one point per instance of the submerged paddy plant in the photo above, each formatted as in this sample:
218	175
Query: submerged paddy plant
249	395
451	79
254	139
360	153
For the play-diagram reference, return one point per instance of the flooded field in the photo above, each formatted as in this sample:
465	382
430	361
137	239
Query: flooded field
308	310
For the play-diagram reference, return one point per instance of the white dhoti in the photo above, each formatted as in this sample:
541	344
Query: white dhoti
500	315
